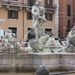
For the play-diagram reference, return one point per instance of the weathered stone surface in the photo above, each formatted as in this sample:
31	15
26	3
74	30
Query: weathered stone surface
31	61
39	44
68	61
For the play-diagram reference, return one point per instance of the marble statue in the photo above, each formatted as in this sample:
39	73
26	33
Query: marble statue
53	45
38	13
70	43
52	42
12	44
39	44
9	35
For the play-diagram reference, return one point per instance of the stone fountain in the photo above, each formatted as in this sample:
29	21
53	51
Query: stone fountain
17	58
70	44
42	41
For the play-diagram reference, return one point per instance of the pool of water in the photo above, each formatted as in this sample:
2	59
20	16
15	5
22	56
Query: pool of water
31	74
17	73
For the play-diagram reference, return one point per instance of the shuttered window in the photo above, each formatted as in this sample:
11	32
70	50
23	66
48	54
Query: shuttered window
12	14
13	0
29	16
68	10
68	24
31	2
49	16
48	3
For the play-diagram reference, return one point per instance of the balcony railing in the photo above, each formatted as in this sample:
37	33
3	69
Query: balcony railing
9	2
50	7
14	2
22	3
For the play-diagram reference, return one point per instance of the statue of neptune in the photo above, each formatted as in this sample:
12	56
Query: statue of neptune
38	13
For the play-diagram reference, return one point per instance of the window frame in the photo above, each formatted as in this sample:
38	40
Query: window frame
16	30
31	2
29	15
48	3
68	10
68	24
10	12
49	16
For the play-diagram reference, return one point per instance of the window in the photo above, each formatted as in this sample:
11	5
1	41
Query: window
31	2
12	14
48	31
14	30
59	33
13	0
31	34
9	1
29	16
68	10
48	3
2	32
68	27
68	24
48	16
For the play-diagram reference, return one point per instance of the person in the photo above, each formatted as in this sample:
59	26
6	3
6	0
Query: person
38	13
27	44
0	43
2	39
22	43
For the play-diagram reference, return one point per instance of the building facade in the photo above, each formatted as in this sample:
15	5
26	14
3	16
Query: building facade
16	15
66	17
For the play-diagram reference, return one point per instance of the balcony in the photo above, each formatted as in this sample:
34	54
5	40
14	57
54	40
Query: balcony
50	7
18	3
23	3
11	2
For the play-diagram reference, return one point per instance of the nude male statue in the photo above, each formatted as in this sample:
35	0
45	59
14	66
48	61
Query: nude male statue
38	13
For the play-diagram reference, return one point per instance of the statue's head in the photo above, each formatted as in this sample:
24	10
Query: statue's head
9	31
38	2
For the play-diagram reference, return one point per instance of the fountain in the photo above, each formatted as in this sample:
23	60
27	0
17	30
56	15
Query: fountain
70	44
45	49
42	40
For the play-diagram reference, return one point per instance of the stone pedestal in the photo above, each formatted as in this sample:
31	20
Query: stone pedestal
67	61
27	62
51	61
